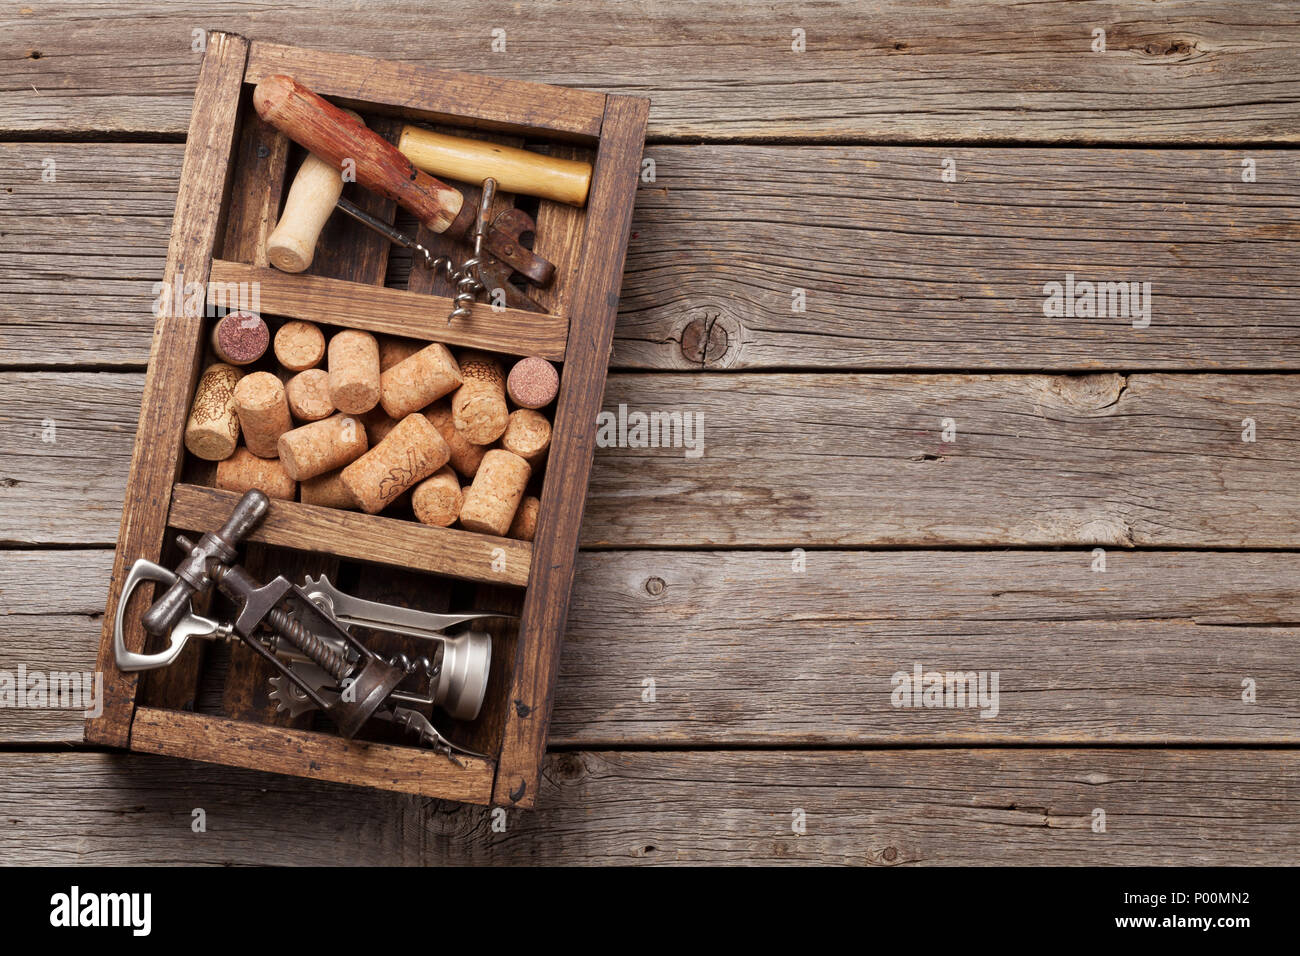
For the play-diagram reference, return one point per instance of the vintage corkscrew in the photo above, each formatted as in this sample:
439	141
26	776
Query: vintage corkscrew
482	270
302	632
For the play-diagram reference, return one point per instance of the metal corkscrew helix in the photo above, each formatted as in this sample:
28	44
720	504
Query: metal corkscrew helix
468	278
302	632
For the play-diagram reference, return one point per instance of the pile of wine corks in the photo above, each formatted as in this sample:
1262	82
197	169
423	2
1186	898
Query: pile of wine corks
347	419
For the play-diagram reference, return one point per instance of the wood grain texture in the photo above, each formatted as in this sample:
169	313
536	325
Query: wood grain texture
173	362
817	460
593	306
987	70
890	808
861	460
349	534
900	269
256	188
559	239
399	312
68	302
432	94
744	649
317	756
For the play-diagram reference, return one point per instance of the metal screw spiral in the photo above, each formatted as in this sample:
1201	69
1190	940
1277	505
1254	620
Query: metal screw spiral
468	286
425	664
465	279
292	630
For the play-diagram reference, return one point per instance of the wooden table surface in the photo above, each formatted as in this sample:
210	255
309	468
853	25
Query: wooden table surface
907	463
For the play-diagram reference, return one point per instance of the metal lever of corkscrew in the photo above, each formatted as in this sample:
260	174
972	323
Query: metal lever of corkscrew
192	574
347	609
172	614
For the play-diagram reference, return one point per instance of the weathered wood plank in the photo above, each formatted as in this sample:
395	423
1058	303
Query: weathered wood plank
594	308
861	460
989	70
816	460
743	648
173	358
65	451
399	312
320	756
899	269
933	807
51	609
80	257
351	534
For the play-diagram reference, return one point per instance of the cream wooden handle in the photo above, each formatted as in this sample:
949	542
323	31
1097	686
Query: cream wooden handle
515	170
312	197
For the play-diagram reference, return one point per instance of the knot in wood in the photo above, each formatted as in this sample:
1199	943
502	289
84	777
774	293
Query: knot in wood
710	338
568	766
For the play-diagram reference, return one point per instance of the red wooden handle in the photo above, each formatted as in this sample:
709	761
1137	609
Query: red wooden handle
335	137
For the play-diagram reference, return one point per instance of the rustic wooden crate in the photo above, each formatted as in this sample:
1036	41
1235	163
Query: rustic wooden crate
232	180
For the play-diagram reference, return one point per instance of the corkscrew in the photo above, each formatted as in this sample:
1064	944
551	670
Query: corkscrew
481	271
303	633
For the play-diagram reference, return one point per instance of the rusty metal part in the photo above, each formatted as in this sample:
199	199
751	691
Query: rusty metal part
504	240
493	273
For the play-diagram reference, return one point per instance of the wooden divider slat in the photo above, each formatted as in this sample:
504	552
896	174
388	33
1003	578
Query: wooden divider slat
348	534
305	754
399	312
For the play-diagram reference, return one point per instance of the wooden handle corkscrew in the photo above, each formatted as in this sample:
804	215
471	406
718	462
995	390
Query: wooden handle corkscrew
338	139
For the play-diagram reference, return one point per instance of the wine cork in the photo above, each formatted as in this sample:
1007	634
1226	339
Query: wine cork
479	406
299	346
493	498
524	527
354	371
438	498
412	451
212	431
465	455
322	446
315	190
308	394
419	379
263	412
533	383
527	434
240	338
327	491
393	350
244	471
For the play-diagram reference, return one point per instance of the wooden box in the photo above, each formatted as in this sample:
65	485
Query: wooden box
211	705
